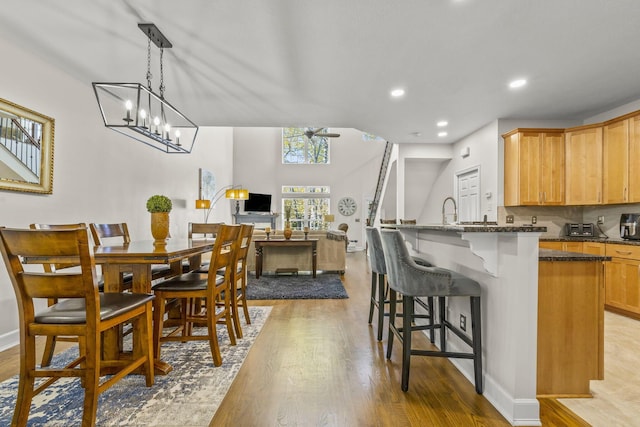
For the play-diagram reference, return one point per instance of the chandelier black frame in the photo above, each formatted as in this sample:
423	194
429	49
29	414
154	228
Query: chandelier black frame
139	113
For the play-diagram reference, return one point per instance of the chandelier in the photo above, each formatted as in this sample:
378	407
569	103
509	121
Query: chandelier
139	113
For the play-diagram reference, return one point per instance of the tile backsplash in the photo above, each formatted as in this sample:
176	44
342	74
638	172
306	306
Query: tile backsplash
555	217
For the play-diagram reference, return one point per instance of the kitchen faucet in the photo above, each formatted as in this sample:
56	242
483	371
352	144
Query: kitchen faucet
455	210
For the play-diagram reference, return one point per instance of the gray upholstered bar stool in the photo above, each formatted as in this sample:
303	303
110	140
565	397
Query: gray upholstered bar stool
379	286
415	281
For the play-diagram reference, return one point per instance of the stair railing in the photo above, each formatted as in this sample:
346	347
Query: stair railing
373	208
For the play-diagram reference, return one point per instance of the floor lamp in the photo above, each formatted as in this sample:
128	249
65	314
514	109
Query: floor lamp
231	192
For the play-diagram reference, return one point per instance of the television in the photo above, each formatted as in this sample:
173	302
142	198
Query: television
258	203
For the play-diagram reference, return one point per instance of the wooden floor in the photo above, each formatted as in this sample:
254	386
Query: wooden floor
318	363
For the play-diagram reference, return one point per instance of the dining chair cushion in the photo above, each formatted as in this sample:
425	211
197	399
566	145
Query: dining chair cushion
186	282
74	310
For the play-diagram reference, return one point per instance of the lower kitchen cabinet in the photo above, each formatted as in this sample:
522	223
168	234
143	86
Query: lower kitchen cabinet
622	279
570	327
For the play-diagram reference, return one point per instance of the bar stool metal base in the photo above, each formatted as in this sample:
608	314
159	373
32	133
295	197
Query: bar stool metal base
403	334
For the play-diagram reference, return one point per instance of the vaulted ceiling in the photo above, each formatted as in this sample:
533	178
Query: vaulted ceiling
334	62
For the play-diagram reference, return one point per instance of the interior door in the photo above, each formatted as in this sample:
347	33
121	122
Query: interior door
469	195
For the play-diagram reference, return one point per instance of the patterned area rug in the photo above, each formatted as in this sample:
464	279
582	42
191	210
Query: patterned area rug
324	286
188	396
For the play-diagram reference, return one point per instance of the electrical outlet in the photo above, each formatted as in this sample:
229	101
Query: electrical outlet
601	219
463	322
534	219
509	219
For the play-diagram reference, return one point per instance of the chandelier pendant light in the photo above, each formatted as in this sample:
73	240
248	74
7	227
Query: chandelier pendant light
139	113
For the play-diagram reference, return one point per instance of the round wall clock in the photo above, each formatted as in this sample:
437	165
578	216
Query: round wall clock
347	206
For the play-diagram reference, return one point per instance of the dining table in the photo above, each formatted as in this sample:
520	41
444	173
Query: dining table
138	257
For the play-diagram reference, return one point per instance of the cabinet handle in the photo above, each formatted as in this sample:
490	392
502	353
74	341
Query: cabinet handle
623	252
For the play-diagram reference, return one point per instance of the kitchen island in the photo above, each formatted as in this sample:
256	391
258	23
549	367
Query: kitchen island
504	260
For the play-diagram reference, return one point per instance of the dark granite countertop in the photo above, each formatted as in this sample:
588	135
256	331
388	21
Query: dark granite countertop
551	255
475	227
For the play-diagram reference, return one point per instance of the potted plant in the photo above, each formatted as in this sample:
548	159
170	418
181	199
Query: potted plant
159	206
287	225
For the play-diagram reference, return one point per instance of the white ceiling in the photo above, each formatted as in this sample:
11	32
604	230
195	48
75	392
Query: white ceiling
334	62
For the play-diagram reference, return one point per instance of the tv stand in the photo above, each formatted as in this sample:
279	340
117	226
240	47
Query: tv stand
255	218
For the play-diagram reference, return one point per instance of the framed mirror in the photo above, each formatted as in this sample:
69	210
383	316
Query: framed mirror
26	149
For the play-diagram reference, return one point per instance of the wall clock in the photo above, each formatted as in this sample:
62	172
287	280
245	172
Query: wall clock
347	206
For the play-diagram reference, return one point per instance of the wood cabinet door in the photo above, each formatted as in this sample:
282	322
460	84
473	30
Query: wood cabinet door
551	166
615	161
634	159
583	151
530	150
511	170
622	282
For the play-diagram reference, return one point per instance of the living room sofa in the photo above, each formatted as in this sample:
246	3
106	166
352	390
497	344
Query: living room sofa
331	252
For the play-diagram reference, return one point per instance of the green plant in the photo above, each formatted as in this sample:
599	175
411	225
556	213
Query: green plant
159	203
287	210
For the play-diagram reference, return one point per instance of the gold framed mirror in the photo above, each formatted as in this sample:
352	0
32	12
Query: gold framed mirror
26	149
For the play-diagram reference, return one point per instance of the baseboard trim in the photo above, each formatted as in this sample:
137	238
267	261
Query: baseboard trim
10	339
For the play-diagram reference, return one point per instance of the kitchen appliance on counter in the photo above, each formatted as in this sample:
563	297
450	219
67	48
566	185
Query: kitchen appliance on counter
630	226
580	230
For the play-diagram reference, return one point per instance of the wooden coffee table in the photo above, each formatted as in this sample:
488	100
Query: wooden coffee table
260	244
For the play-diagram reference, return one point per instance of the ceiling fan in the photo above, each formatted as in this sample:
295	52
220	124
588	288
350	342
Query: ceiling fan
310	133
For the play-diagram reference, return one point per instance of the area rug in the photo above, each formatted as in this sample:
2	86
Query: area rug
188	396
324	286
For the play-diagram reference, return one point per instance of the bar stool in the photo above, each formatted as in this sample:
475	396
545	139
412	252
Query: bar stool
379	288
415	281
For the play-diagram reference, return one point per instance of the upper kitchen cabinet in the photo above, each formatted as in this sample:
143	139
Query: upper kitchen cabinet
615	161
634	158
534	167
583	150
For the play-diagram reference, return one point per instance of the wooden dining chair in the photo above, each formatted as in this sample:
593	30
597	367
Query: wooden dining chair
51	340
239	279
82	311
200	230
210	287
103	233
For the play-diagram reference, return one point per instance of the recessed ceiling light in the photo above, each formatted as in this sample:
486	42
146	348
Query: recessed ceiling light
517	83
397	93
442	123
441	134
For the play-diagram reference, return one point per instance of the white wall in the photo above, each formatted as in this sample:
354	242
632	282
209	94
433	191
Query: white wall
99	175
353	170
483	152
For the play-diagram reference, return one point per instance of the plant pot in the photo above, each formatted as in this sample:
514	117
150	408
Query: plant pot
160	227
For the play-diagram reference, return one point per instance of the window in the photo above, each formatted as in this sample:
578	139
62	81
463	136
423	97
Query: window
366	137
309	205
299	148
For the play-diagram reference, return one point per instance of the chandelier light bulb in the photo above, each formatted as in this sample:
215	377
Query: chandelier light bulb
128	105
156	121
177	136
167	129
143	116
